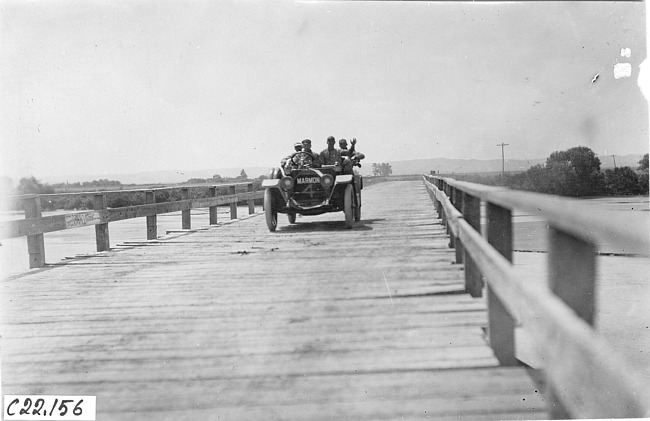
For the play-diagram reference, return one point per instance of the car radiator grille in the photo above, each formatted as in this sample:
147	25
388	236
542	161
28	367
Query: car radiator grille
309	194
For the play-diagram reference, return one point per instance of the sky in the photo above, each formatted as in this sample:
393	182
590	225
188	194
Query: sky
110	87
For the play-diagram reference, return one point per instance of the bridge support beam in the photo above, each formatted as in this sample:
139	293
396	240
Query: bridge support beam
35	243
152	221
101	230
501	325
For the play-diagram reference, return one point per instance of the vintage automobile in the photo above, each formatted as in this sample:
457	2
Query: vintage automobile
311	191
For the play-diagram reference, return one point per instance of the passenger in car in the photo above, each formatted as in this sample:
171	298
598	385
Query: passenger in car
330	155
350	156
297	148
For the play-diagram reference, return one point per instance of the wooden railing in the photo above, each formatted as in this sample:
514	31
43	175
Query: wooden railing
585	379
35	225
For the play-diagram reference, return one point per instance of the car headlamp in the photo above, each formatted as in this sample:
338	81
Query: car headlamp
286	183
327	181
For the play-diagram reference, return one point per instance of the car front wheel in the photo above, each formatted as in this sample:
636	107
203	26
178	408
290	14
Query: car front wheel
270	213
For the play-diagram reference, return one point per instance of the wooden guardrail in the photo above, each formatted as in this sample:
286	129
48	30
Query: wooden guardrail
585	379
35	225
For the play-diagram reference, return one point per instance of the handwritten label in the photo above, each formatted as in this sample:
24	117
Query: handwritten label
49	407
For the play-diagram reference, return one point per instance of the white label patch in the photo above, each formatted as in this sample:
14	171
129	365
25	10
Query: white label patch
622	70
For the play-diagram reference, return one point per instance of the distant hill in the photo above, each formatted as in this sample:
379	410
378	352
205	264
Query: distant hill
413	166
160	177
448	166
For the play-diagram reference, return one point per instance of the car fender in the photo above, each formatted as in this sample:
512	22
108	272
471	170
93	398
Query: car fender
343	179
271	183
276	190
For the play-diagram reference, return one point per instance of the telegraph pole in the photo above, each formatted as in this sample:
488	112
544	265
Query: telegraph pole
614	157
503	160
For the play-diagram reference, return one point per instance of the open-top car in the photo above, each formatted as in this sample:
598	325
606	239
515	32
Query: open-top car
311	191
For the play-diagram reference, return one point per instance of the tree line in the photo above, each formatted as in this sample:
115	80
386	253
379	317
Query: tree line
574	172
31	185
216	178
382	170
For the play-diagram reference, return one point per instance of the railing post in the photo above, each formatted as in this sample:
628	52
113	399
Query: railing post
101	230
36	242
186	212
251	202
472	214
443	217
152	220
436	202
572	277
458	204
452	239
233	206
213	209
572	272
501	325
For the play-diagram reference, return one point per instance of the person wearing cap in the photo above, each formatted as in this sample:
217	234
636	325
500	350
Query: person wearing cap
297	148
330	155
306	158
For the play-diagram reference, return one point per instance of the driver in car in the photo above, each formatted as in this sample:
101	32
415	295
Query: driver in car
305	158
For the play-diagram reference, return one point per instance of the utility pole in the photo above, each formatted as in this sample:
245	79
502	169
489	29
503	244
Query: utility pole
614	157
503	160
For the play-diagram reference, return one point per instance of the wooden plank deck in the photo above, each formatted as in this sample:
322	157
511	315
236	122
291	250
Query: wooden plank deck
234	322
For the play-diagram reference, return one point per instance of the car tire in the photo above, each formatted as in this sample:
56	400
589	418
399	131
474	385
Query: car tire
348	206
292	218
270	213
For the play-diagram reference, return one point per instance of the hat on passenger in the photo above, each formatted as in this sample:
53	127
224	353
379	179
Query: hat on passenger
298	144
306	141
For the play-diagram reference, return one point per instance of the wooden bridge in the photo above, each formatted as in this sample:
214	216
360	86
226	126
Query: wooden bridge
314	321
